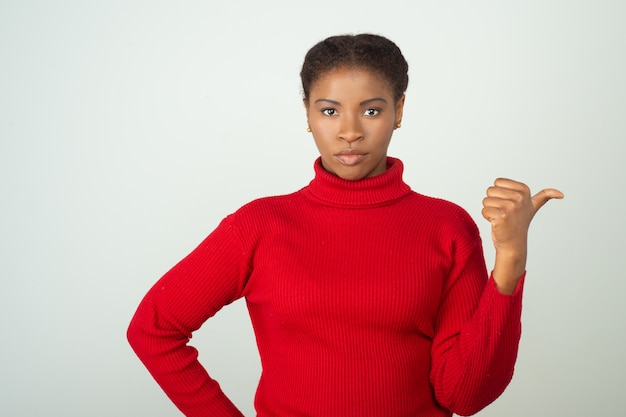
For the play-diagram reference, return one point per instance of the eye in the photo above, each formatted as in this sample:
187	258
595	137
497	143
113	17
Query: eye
371	112
329	112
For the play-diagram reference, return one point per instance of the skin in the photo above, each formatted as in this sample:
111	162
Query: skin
352	115
510	207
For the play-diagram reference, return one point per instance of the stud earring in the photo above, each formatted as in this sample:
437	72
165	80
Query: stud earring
398	125
308	129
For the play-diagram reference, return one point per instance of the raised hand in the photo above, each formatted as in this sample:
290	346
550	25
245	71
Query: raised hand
509	207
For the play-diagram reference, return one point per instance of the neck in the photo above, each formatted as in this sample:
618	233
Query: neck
377	190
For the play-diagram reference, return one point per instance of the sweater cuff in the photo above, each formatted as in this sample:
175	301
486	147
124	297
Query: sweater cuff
519	288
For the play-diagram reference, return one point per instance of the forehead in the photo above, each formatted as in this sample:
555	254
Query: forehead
350	82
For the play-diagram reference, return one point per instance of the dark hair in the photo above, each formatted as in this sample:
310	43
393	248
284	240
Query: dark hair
372	52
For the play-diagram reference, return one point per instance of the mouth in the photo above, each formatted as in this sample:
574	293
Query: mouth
350	157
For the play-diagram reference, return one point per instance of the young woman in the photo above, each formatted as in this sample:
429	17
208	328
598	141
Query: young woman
366	298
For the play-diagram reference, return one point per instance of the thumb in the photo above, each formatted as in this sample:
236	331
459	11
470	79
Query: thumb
543	196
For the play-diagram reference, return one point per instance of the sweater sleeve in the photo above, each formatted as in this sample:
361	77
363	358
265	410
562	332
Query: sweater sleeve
477	334
211	276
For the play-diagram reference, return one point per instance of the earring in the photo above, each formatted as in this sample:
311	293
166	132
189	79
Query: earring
398	125
308	129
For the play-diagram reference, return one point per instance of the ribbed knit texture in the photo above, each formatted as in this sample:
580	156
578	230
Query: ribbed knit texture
367	299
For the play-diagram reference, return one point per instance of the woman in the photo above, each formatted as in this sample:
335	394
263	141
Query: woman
366	298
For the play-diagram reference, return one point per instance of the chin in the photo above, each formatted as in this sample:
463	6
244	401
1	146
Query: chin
351	173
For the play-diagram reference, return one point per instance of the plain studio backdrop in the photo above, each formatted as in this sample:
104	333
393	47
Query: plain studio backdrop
129	129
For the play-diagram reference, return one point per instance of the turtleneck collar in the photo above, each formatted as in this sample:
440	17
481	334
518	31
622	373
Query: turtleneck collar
378	190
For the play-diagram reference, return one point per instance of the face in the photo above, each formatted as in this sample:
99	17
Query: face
352	115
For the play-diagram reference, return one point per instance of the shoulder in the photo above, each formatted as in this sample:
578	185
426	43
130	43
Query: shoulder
268	204
439	207
444	214
262	211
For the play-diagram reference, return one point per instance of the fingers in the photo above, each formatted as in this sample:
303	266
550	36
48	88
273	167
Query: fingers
543	196
510	208
492	214
503	197
507	195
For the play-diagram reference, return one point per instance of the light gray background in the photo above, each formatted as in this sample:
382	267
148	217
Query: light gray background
129	129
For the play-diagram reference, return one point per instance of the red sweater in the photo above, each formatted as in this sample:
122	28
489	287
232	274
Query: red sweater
366	298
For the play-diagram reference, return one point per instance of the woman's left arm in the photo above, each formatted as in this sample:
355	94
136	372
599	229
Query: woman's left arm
509	207
478	324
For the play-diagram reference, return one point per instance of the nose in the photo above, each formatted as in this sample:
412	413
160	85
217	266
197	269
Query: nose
350	129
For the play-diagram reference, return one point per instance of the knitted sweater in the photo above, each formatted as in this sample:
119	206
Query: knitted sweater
366	298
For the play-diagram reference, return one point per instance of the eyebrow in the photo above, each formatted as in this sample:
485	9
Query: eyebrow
364	102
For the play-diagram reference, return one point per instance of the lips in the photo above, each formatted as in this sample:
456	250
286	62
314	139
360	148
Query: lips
350	156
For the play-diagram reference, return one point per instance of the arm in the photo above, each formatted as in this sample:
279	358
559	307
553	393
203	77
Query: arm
479	326
477	332
210	277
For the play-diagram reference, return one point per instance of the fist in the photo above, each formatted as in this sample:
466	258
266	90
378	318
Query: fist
509	207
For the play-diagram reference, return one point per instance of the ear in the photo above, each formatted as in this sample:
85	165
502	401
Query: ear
399	109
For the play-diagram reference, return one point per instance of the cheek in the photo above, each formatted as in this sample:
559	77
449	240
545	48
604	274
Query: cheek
323	140
323	129
384	129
